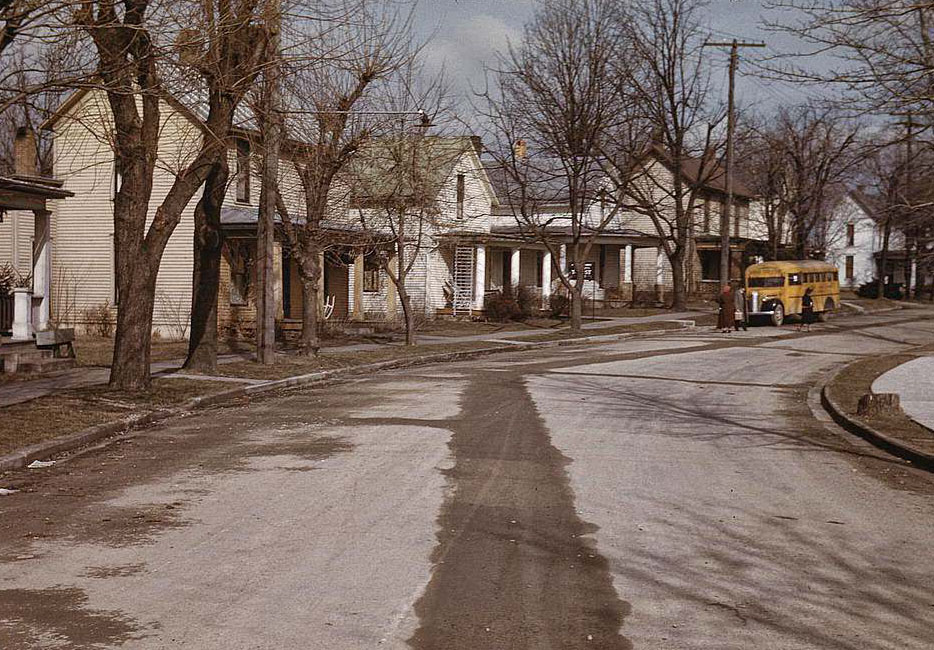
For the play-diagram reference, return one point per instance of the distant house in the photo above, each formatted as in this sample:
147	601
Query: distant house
855	243
627	261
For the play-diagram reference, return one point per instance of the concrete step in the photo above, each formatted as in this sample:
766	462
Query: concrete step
45	365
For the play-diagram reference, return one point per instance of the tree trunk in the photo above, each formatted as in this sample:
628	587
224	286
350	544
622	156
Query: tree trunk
208	243
408	315
678	289
577	308
883	258
311	273
137	292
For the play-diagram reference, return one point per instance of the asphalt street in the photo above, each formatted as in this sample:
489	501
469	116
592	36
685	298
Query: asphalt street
670	492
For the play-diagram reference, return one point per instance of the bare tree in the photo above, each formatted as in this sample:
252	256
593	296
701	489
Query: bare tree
126	42
227	54
882	49
557	111
397	183
335	112
670	82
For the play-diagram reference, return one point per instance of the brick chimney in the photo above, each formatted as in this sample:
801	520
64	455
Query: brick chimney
24	153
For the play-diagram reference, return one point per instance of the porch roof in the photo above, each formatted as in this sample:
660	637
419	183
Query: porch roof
513	235
29	193
243	219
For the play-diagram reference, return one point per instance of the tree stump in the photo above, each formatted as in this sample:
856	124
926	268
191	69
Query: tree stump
875	403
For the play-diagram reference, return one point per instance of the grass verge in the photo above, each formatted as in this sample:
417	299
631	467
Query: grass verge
73	410
856	379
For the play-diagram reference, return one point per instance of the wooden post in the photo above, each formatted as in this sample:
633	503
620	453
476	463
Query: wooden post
391	293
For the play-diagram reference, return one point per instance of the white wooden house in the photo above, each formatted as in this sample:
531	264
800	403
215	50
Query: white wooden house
855	243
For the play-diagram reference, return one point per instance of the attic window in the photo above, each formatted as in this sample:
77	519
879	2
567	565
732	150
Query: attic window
850	234
243	170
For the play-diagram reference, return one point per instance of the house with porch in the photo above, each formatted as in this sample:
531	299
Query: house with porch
469	242
25	250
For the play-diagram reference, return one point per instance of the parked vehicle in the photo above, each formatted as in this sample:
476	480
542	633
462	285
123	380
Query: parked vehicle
774	289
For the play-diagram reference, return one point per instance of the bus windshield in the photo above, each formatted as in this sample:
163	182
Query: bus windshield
778	281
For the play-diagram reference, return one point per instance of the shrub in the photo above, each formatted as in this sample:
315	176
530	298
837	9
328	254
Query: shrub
500	306
893	290
527	301
559	305
99	320
11	279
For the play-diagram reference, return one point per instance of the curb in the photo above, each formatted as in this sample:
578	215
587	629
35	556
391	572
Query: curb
71	441
887	443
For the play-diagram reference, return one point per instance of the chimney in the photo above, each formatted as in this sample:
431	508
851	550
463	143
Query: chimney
24	152
520	150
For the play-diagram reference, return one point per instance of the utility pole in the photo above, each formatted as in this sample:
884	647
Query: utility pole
726	217
266	225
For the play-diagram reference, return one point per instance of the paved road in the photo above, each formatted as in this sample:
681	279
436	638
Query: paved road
656	493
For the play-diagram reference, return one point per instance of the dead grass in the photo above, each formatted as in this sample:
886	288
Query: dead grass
856	380
96	351
291	366
470	328
70	411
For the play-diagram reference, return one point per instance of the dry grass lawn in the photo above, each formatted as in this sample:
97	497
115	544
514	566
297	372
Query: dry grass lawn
856	380
69	411
97	351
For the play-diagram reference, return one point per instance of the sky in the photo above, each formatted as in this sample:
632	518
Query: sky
466	33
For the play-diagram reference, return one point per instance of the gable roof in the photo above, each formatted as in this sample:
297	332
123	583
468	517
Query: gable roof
713	173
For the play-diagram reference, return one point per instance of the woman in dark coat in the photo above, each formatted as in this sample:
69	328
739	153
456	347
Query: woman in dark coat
807	310
725	315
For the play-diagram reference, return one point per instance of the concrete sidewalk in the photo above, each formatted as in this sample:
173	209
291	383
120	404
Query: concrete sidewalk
16	392
914	383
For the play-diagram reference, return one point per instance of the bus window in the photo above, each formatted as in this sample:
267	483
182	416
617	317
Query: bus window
777	281
794	279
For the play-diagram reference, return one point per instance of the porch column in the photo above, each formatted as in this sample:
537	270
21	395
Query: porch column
660	274
515	261
913	275
627	264
391	291
563	258
357	288
546	279
321	296
42	267
277	286
479	278
22	314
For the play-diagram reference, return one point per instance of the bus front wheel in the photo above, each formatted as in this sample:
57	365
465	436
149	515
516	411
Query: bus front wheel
778	315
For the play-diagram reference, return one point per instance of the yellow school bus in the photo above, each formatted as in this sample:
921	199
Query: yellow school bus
774	289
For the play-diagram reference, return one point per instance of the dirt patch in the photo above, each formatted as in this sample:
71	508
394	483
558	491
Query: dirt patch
72	410
45	618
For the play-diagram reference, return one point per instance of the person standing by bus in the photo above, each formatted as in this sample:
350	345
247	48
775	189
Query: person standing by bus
725	315
740	313
807	310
